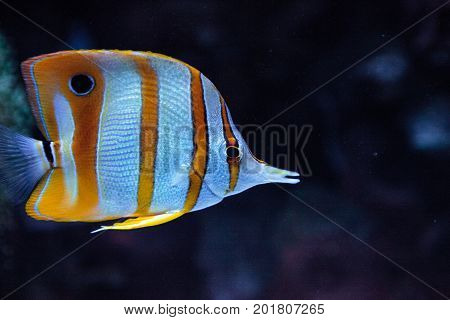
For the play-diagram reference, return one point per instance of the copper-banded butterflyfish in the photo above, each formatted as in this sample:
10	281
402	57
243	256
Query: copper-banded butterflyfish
133	135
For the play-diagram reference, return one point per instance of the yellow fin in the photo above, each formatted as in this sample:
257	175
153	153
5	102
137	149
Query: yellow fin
142	222
52	200
47	200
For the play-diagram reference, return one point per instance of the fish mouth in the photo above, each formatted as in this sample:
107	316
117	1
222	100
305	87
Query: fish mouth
273	174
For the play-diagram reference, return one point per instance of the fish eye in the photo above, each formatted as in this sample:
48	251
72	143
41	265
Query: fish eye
81	84
233	153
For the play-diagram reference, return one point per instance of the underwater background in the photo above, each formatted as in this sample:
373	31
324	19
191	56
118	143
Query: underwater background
378	153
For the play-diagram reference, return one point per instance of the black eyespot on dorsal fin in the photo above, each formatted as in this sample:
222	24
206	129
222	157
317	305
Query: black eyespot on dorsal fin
81	84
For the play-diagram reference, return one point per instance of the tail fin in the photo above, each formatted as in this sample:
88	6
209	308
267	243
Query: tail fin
22	164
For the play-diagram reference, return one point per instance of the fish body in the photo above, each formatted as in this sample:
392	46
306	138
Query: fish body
128	134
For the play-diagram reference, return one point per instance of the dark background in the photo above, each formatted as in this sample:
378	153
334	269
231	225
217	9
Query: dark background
379	153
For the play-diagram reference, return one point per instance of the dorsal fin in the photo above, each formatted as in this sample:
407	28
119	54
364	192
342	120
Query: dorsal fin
33	94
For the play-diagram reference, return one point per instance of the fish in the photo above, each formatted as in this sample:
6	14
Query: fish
126	134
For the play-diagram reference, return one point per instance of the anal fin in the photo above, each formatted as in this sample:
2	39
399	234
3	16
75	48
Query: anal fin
143	222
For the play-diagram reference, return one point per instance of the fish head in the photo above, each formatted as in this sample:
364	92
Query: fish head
252	171
248	171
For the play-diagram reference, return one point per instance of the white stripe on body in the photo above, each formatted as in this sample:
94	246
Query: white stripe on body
66	129
175	135
118	145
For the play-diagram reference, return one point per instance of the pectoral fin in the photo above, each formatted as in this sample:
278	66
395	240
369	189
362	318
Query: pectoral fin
142	222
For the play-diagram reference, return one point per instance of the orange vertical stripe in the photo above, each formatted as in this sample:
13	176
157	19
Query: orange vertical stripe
231	141
149	133
200	156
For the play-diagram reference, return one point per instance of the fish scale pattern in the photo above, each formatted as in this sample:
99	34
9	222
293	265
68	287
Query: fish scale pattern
119	140
175	135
